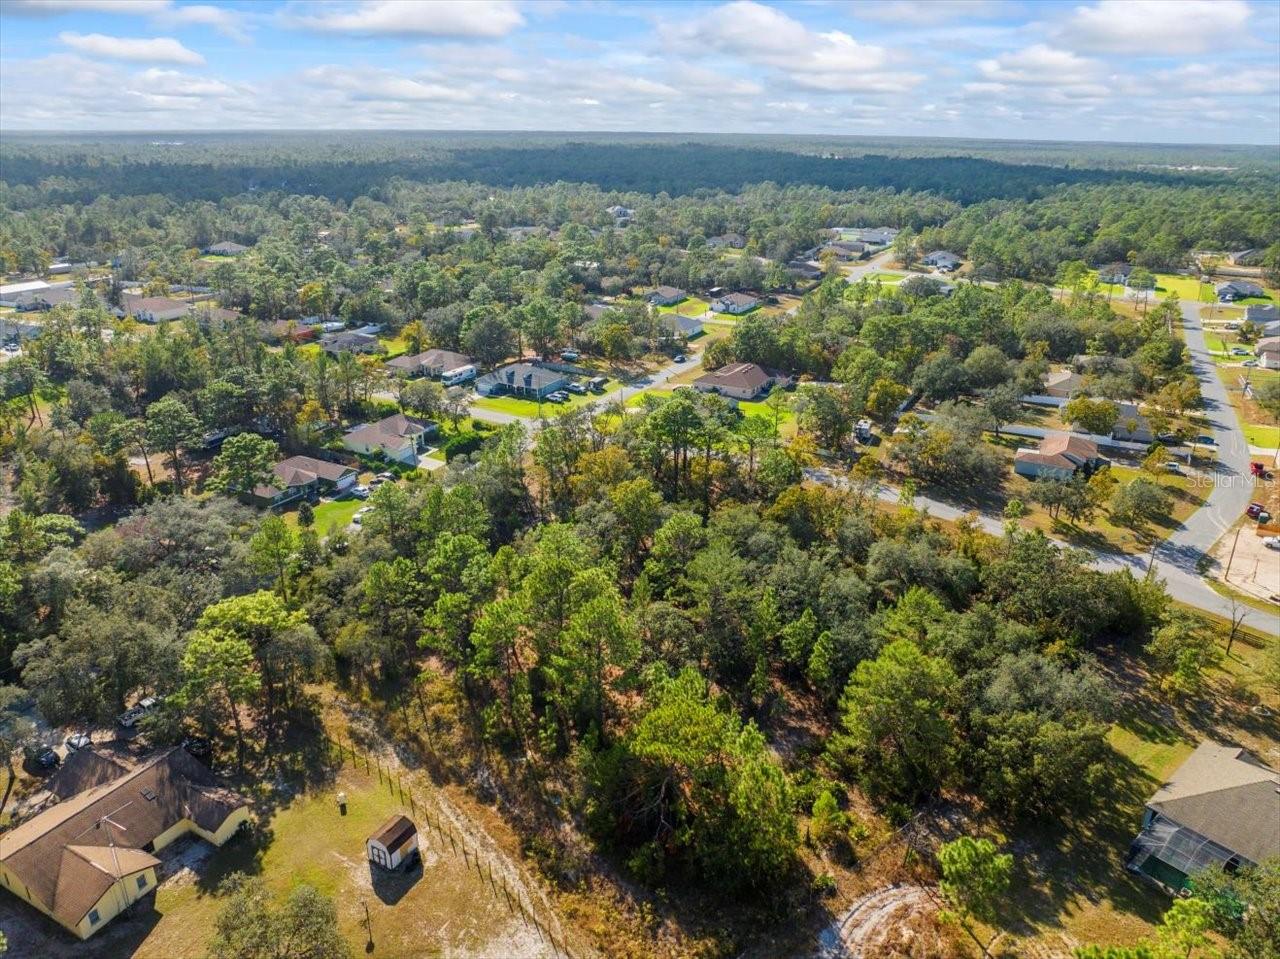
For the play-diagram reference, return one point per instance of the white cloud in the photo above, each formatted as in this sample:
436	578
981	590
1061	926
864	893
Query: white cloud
832	60
1041	66
153	50
383	85
226	21
431	18
930	11
1202	78
173	83
1156	28
223	19
55	7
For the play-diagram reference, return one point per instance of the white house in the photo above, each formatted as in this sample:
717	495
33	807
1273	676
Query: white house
1238	290
943	261
735	303
1268	353
393	843
398	437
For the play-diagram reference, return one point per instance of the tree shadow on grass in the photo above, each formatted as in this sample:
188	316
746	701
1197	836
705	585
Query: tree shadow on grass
1058	861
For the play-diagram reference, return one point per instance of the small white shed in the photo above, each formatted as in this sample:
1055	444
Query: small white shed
393	842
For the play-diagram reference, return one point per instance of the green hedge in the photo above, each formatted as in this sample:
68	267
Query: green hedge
462	443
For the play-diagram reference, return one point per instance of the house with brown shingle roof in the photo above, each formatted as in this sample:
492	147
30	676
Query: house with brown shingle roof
1059	455
86	859
429	363
154	309
1219	810
398	437
666	296
300	476
741	381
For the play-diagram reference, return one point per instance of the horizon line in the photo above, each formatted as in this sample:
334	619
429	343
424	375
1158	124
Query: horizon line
8	131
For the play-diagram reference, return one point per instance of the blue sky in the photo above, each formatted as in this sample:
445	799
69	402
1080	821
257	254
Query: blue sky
1138	70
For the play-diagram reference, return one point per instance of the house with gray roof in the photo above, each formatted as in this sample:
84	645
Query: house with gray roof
528	380
875	236
350	342
1219	810
666	296
1234	290
1116	274
734	303
733	241
944	261
225	248
678	327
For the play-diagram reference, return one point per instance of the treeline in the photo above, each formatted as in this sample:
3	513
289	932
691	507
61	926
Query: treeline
1157	223
79	172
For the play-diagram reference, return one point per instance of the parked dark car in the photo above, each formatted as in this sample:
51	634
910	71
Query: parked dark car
198	746
1254	510
41	756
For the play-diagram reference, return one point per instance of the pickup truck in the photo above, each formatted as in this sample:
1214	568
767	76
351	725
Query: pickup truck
130	717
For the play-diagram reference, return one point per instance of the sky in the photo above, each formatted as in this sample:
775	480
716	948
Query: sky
1197	71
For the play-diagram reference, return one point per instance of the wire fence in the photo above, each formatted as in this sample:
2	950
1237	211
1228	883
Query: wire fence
428	820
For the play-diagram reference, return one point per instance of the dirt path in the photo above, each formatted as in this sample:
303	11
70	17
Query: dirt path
871	921
468	841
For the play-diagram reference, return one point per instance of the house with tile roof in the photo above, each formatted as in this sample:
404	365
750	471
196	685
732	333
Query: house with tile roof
86	859
1219	810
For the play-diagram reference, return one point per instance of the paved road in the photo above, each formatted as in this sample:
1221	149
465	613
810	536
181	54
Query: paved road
1183	583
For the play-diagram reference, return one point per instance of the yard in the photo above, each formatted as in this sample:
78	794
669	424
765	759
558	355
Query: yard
1101	533
531	409
1258	428
1073	884
693	306
329	514
1183	287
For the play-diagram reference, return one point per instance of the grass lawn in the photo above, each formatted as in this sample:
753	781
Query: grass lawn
444	908
693	306
530	408
1073	880
1267	437
328	514
396	346
1258	429
885	278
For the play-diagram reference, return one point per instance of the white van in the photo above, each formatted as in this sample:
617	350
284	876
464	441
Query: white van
463	374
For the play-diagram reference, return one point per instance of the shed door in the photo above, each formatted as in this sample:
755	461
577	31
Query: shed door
379	855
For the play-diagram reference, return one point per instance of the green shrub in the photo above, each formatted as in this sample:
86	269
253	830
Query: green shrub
462	443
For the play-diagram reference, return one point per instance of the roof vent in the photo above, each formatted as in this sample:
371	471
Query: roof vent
148	795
